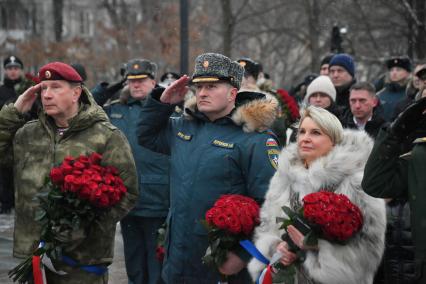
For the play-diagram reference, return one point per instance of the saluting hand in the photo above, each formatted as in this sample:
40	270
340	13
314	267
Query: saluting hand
25	101
175	93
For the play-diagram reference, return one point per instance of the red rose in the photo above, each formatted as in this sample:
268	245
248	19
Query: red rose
103	201
85	192
66	168
56	175
159	253
220	221
247	224
68	159
84	160
95	158
109	178
233	224
69	179
97	178
95	168
79	166
112	170
210	214
76	173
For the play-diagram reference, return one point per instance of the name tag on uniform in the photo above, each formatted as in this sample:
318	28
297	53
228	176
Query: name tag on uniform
116	115
222	144
183	136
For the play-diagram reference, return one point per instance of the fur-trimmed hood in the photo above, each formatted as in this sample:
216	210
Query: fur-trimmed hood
252	113
340	171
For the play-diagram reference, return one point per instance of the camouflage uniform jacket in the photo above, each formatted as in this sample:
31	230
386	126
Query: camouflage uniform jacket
37	148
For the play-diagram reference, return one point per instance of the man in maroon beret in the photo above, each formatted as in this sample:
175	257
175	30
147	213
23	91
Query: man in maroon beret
71	123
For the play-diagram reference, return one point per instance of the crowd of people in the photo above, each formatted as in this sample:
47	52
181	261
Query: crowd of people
182	142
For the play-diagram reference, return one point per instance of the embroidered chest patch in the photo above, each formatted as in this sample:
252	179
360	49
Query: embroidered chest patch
116	115
183	136
222	144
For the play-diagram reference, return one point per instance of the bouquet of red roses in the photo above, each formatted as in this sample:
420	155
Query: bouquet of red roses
325	215
232	219
78	193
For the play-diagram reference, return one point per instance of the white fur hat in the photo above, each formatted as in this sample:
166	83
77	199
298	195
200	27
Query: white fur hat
321	84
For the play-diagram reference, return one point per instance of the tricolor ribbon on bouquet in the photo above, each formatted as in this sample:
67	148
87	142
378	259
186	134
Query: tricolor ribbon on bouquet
266	275
39	274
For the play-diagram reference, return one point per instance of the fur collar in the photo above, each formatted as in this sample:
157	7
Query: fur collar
256	115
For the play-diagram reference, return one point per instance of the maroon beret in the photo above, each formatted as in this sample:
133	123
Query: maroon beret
59	71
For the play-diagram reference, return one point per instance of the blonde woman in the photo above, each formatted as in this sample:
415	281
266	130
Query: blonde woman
324	157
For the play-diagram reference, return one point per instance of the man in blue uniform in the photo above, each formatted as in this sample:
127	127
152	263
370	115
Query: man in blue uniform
140	226
221	145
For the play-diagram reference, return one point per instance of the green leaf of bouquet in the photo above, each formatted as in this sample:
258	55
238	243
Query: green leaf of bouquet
285	224
100	225
280	219
209	260
290	213
215	244
40	214
285	274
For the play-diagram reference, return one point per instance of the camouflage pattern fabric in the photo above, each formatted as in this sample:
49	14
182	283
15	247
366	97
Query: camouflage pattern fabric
37	148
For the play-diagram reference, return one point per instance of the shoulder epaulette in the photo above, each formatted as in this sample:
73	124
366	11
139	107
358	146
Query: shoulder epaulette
32	121
420	140
109	125
406	156
114	102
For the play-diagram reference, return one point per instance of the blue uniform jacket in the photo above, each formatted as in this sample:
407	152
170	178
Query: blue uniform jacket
152	167
208	159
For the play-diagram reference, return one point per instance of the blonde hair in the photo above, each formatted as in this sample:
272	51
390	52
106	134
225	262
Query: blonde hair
327	121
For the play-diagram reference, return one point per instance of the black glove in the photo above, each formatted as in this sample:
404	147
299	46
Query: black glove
114	88
407	121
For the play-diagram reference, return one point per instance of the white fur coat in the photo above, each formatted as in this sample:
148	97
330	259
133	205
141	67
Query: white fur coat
341	169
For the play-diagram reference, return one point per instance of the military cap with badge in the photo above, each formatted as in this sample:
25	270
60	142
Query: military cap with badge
59	71
399	61
214	67
13	61
251	68
167	78
140	68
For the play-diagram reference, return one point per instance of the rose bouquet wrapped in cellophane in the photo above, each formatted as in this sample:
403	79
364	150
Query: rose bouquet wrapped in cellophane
77	194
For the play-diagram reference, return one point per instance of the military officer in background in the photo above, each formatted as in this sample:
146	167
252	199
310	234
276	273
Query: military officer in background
221	145
393	173
14	84
139	227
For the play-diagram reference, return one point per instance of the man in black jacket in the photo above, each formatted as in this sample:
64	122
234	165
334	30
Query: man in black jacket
14	84
342	74
364	111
